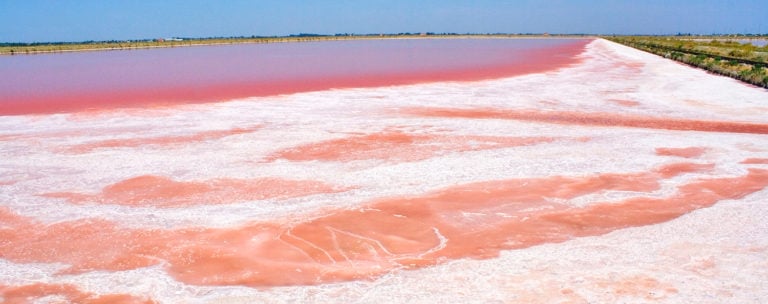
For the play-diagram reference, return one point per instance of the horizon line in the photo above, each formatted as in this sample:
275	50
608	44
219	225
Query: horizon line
315	35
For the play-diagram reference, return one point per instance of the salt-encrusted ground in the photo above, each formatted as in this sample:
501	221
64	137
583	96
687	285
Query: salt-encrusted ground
624	178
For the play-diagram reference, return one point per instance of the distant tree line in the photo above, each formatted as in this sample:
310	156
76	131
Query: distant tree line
12	48
299	35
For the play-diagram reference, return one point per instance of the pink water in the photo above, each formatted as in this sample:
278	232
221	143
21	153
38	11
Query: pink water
54	83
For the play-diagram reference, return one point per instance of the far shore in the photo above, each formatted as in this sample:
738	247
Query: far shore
66	47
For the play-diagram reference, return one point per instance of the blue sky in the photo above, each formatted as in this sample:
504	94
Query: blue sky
78	20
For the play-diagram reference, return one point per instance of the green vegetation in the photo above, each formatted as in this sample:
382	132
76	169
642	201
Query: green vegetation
54	47
721	55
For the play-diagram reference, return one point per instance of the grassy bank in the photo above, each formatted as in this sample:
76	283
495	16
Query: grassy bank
55	47
724	56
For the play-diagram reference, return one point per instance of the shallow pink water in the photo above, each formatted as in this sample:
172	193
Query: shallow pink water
53	83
